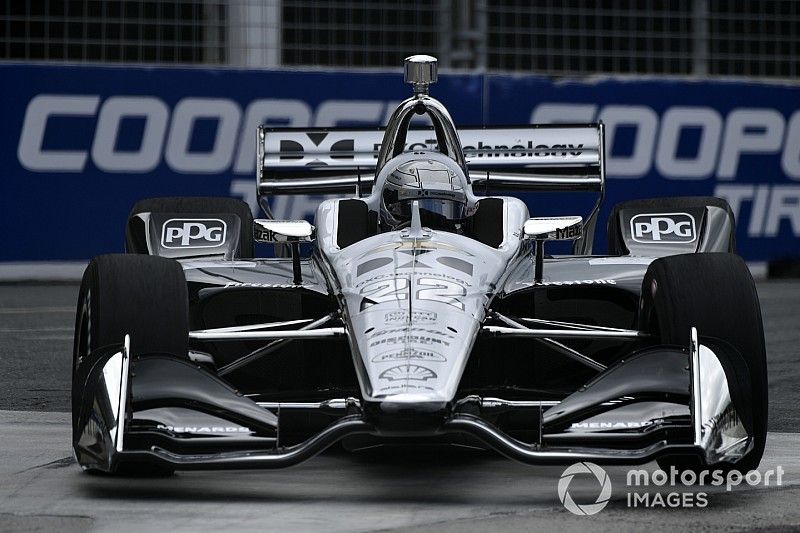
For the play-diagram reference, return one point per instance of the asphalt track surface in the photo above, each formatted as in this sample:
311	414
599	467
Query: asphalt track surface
418	489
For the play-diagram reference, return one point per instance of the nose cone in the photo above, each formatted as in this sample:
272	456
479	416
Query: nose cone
405	414
414	361
414	307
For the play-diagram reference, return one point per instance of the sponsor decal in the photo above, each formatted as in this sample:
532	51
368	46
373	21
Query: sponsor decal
409	330
518	150
663	228
193	233
409	354
405	387
204	429
330	148
260	285
609	425
578	282
625	260
417	317
383	277
407	372
414	258
410	339
292	149
571	232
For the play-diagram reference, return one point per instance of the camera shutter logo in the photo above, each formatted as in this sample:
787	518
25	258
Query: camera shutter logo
602	498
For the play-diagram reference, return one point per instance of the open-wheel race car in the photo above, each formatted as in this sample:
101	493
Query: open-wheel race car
420	308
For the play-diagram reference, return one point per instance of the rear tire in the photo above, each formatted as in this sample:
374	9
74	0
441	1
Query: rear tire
715	293
138	295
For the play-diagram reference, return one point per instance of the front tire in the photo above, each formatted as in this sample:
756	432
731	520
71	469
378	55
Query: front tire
715	293
138	295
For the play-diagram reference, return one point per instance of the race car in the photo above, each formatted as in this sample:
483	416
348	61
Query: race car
420	307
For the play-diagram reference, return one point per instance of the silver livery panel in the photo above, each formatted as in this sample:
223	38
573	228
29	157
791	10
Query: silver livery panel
415	305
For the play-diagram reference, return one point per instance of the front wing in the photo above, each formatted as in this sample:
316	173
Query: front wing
660	401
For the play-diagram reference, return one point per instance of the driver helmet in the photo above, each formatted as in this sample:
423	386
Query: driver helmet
434	185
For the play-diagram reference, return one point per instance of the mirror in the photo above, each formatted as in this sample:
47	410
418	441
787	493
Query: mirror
282	231
554	228
543	229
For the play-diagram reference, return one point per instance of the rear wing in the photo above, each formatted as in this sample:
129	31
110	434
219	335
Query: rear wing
532	157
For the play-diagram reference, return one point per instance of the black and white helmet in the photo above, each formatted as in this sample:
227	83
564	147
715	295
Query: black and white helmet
435	185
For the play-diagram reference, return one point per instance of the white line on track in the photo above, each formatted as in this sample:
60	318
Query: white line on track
32	330
36	310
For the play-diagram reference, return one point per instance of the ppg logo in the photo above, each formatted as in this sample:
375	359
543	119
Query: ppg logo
193	233
663	228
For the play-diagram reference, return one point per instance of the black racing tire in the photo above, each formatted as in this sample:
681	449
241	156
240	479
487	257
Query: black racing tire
140	295
715	293
135	230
